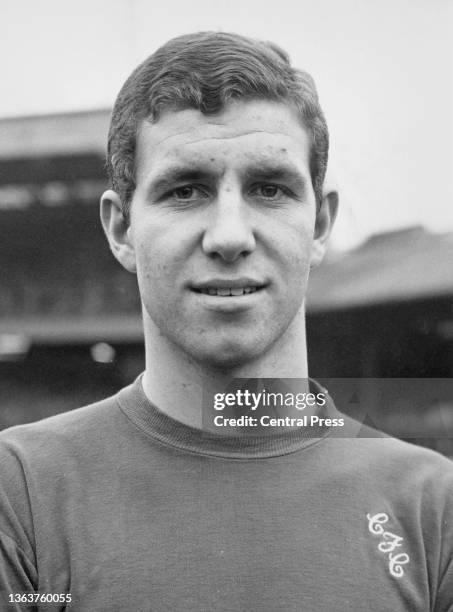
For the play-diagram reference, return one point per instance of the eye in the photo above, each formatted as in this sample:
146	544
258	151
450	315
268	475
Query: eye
269	191
186	192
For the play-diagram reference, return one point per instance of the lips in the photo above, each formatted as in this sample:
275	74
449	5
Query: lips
228	291
228	287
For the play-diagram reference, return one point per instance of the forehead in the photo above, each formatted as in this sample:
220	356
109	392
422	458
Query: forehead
251	132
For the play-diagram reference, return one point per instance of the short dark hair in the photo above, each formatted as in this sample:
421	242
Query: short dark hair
205	71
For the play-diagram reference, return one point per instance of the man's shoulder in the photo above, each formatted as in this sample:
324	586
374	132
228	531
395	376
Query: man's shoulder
82	425
375	452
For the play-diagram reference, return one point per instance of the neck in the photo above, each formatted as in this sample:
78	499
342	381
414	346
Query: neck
175	382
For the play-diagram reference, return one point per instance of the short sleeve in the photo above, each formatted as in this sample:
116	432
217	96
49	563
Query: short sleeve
17	556
444	595
17	573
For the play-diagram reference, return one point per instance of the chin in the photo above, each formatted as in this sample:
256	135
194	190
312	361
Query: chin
226	356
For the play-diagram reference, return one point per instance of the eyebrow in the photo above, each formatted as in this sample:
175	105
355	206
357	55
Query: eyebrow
177	174
268	171
277	171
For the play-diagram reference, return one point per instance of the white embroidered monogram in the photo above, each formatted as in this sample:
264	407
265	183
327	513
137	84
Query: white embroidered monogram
389	542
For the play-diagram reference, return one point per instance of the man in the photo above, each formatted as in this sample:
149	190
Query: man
217	156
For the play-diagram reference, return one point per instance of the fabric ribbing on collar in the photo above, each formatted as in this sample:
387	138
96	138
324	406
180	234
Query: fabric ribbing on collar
170	432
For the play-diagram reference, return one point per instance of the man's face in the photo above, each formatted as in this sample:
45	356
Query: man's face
222	225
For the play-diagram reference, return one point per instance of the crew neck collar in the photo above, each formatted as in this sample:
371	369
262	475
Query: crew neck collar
170	432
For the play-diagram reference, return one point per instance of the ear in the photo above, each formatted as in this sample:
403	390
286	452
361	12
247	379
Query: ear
117	229
325	219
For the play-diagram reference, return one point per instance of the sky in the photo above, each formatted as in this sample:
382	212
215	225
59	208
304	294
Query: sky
384	72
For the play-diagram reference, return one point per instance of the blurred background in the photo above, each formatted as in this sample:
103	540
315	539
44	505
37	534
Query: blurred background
380	307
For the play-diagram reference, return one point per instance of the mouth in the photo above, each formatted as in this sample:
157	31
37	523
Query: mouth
228	291
227	288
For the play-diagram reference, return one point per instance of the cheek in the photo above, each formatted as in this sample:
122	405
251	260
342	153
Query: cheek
151	268
150	252
294	248
158	270
295	252
162	246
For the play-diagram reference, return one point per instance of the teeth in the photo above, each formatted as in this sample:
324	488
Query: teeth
229	291
224	291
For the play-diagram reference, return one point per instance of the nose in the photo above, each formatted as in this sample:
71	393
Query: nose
229	234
